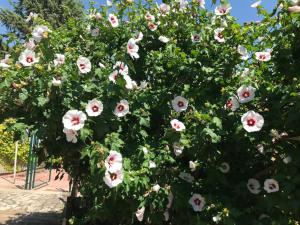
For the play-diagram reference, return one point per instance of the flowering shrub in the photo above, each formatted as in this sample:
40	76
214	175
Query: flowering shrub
168	112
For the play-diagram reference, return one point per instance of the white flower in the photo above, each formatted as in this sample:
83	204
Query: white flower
149	17
152	26
252	121
56	82
218	35
197	202
27	58
30	44
122	108
192	165
271	185
60	60
121	67
243	52
132	49
152	165
4	63
177	148
222	10
113	20
84	64
263	56
94	108
130	84
71	135
101	65
253	186
246	94
232	103
256	4
113	179
163	39
74	120
140	214
164	9
195	37
31	16
217	218
40	32
156	188
138	36
177	125
187	177
114	162
179	104
202	3
113	76
224	168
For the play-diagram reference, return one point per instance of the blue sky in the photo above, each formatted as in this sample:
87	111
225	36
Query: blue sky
240	8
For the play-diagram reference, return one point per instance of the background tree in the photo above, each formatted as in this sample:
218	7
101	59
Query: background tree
56	12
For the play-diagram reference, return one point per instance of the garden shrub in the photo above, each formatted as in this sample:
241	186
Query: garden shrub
167	112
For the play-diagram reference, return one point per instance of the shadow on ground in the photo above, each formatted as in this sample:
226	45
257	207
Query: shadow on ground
38	218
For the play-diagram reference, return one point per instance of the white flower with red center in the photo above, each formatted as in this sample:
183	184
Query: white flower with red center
132	49
253	186
202	3
30	44
121	67
243	52
113	20
84	64
28	58
179	104
178	148
222	10
187	177
40	32
163	39
263	56
152	26
232	104
122	108
113	76
195	37
224	168
71	135
138	36
252	121
218	35
74	120
113	179
256	4
94	108
60	60
246	93
4	63
164	9
197	202
114	161
177	125
271	185
56	81
149	17
140	214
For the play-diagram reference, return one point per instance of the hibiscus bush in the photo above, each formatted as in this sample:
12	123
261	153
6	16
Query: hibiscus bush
167	113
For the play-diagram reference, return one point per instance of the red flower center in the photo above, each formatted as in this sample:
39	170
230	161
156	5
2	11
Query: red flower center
120	108
251	122
111	160
82	66
197	201
229	104
246	94
180	104
196	37
220	35
272	186
176	126
29	59
262	57
95	108
223	11
75	121
113	176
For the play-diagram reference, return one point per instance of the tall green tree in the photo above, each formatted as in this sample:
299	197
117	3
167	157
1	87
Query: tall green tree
56	12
